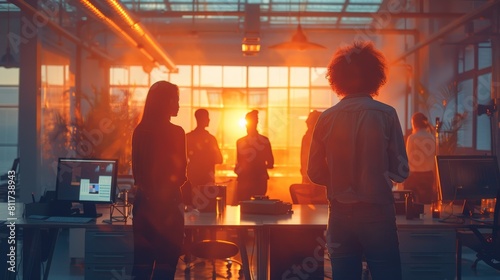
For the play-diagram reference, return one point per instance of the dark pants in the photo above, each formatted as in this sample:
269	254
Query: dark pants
158	239
366	230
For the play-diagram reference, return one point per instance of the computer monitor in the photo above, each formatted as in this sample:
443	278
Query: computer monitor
87	181
467	178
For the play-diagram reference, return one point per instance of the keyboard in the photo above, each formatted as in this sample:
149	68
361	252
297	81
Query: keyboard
68	219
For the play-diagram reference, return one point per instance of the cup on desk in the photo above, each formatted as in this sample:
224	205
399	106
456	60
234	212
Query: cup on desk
220	205
436	210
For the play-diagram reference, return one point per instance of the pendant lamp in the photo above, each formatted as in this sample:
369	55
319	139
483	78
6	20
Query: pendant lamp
7	60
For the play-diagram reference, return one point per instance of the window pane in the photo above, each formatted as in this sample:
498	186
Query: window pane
278	76
257	76
233	97
233	126
465	104
8	126
322	98
297	125
158	75
278	128
139	94
138	76
469	58
278	98
7	156
183	78
200	98
55	75
211	76
235	76
9	96
9	76
483	130
318	76
118	76
484	55
257	98
299	76
299	97
185	96
183	118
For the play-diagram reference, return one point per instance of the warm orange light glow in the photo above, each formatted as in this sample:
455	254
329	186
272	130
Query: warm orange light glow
119	9
250	46
108	21
242	123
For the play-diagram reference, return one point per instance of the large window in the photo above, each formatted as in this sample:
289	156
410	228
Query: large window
474	80
283	95
9	107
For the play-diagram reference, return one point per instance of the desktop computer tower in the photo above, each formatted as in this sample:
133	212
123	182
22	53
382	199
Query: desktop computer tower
296	253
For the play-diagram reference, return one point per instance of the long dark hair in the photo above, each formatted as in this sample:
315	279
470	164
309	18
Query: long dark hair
159	95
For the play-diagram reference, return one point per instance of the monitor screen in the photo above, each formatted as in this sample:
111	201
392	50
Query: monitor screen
86	180
467	177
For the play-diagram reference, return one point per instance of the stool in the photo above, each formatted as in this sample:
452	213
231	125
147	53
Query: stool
216	249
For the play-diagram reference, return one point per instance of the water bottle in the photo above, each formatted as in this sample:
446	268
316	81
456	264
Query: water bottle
409	205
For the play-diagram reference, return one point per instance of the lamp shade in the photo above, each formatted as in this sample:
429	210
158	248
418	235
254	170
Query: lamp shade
299	42
7	60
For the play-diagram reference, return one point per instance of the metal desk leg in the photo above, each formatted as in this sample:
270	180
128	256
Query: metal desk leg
459	258
31	253
262	234
243	251
53	234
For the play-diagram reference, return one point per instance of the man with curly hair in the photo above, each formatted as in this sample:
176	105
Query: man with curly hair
357	151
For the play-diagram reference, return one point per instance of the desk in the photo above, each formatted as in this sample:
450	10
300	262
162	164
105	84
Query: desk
418	238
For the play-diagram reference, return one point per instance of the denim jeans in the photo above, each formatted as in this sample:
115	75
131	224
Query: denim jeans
363	231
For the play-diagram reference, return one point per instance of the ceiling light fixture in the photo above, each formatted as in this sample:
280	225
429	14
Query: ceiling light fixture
250	45
299	40
7	60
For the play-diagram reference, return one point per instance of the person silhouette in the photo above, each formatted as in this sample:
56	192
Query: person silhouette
357	151
203	152
253	157
421	149
159	167
311	120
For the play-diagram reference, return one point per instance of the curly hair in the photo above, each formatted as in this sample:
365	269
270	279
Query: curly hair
357	68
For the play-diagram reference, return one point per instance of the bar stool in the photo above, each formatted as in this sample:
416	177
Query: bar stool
216	249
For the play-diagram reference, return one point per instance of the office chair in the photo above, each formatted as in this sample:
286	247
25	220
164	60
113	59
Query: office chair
308	194
213	250
484	239
4	179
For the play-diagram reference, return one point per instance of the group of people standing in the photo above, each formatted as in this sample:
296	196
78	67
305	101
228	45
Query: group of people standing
164	159
357	150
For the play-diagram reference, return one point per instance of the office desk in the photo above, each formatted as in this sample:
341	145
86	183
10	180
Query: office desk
427	246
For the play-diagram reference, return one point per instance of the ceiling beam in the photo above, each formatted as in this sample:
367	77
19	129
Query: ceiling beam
178	14
487	7
27	8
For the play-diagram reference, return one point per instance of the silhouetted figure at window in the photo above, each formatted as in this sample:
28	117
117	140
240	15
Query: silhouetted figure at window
312	118
253	157
159	167
356	150
421	150
203	152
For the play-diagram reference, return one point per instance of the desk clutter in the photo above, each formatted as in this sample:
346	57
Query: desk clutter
265	205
